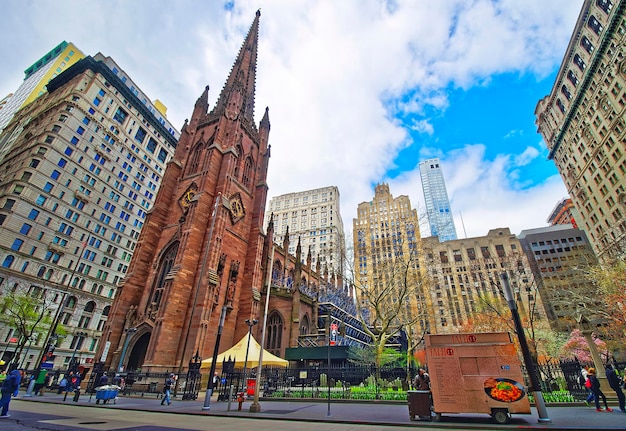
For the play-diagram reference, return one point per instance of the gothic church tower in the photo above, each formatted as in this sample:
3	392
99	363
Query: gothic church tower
201	247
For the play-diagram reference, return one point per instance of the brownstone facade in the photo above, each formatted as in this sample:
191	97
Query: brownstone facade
202	247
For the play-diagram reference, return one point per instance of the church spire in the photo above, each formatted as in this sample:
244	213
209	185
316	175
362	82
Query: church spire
237	96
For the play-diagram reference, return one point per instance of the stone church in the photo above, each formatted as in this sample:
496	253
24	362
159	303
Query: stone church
203	250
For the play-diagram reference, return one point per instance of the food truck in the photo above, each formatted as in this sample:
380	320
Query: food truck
476	373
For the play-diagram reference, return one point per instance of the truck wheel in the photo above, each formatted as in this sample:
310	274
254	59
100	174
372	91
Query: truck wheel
501	416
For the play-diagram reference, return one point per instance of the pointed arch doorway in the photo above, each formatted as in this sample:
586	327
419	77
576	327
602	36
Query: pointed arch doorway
137	353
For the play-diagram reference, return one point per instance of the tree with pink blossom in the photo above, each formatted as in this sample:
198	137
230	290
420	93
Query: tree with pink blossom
577	346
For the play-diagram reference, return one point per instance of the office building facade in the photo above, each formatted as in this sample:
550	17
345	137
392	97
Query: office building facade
583	122
313	218
465	275
558	255
438	209
80	169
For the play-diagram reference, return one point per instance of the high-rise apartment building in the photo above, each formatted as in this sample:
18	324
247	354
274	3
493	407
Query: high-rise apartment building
563	213
437	203
583	120
556	255
37	76
465	276
79	171
388	258
312	217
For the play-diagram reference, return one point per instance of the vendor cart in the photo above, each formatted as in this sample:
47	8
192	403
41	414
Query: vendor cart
106	393
476	373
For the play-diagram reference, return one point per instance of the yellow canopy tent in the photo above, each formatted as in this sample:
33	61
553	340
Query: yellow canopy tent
238	354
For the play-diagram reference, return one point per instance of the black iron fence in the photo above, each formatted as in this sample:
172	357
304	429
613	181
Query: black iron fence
344	382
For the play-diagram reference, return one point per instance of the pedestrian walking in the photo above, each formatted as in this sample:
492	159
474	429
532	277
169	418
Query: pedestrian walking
167	388
614	383
10	388
586	383
597	392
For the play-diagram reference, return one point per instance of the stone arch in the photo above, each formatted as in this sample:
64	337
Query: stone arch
137	348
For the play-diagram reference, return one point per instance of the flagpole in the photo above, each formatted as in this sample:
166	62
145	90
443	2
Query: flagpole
255	407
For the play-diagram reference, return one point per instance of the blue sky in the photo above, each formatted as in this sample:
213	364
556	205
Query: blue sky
359	91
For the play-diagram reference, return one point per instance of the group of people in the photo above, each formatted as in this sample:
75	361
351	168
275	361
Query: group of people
594	393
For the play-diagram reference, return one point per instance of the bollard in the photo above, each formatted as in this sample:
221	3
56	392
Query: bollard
76	395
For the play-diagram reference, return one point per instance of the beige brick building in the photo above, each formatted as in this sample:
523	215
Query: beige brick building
386	234
583	122
464	271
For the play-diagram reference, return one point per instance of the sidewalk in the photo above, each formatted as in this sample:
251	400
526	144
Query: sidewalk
380	413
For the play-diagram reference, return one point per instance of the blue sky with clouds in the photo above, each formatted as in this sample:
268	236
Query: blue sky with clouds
359	91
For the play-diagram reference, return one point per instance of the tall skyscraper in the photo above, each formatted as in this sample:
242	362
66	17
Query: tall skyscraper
37	76
387	237
313	218
81	166
437	203
583	120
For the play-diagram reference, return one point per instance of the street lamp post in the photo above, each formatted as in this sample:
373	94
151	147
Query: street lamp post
528	360
250	324
129	333
209	386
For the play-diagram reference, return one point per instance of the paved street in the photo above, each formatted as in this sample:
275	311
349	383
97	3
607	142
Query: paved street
50	412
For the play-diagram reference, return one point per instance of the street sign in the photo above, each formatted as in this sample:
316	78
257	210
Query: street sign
105	352
47	365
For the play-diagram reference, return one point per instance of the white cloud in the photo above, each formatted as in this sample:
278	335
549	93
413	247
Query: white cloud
334	74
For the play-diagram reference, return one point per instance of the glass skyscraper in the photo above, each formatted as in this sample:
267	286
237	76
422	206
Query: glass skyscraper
437	202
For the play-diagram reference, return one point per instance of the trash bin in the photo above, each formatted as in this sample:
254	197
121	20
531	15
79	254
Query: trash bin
419	404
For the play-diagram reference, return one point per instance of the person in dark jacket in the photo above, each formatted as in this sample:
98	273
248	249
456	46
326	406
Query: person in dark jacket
614	383
104	380
10	388
597	392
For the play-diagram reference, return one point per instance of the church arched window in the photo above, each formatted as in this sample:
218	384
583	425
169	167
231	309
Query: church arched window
167	261
246	178
195	160
274	333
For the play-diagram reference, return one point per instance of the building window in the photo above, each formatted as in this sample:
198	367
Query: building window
566	92
560	105
17	244
120	115
151	145
579	62
274	333
25	229
586	43
605	5
595	25
572	78
140	135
